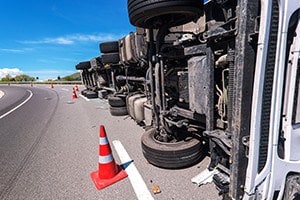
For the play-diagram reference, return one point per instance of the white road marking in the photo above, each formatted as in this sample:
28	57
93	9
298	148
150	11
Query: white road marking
65	89
137	182
84	97
1	94
18	106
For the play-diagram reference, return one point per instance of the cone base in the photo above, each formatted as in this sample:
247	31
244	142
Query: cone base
103	183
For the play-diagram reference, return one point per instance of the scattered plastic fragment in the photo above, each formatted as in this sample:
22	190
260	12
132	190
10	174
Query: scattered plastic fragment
155	189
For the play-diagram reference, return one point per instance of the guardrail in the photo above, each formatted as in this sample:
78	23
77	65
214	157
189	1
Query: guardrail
42	82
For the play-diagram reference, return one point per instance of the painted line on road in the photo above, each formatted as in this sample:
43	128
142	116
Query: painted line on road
18	106
1	94
65	89
84	97
137	182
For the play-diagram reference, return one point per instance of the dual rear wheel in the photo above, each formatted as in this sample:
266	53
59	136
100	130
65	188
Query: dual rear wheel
154	14
117	106
172	155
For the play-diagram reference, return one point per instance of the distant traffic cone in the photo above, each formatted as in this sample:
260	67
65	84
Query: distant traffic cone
76	88
74	95
108	171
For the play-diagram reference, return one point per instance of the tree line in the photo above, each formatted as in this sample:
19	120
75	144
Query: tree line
26	78
19	78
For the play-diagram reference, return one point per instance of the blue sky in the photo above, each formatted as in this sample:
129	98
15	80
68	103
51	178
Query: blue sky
47	38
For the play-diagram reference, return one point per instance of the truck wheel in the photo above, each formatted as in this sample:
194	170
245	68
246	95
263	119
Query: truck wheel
118	111
172	155
83	92
292	187
110	58
154	13
115	101
109	47
83	65
91	95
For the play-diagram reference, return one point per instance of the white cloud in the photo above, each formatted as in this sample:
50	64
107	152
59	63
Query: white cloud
55	60
11	71
94	38
71	39
22	50
59	40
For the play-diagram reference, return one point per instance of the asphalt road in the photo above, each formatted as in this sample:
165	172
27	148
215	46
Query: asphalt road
49	147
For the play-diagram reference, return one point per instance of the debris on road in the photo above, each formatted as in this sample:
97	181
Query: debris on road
155	189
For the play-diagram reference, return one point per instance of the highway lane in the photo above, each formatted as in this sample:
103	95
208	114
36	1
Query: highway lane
22	130
49	147
11	97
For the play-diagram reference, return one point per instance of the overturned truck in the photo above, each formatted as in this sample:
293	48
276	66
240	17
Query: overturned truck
217	78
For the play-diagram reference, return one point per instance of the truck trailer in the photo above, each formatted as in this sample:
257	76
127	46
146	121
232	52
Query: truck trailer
219	78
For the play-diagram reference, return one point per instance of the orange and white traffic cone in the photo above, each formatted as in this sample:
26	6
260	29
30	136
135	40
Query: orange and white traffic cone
74	95
108	171
76	88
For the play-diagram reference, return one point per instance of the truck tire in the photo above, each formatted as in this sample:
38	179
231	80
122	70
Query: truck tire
83	65
110	58
154	13
91	95
118	111
83	92
172	155
115	101
109	47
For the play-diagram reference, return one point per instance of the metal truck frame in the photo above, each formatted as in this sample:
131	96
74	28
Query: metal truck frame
219	78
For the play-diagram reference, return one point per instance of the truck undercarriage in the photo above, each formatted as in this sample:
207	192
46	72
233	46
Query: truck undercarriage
217	79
